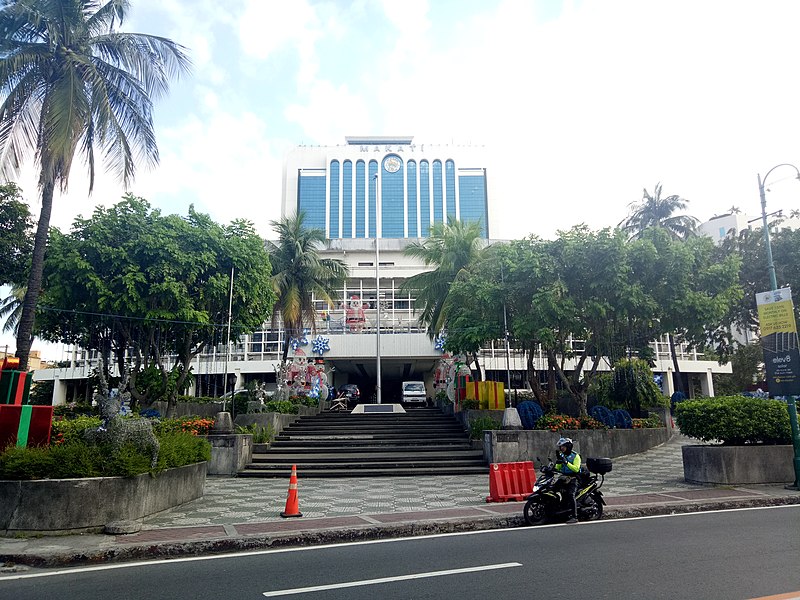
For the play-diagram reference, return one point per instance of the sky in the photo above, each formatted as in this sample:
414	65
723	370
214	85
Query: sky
580	104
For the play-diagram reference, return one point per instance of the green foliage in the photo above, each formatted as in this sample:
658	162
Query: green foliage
747	368
286	407
261	434
441	396
189	424
600	390
304	400
198	399
75	409
470	404
41	393
16	235
633	387
481	424
67	431
556	422
735	420
651	422
76	459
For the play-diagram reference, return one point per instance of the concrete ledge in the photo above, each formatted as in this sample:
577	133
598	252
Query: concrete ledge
530	444
83	505
738	465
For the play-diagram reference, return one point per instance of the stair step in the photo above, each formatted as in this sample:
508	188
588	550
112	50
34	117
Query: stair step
399	472
362	457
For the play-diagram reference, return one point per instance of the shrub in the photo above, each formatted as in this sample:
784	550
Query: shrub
633	387
65	431
286	407
735	420
470	404
72	410
479	425
261	434
441	396
75	459
555	422
193	425
652	422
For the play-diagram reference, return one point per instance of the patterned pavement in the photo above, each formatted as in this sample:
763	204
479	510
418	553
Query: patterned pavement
246	500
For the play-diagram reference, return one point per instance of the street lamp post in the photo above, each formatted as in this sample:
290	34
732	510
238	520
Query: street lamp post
377	294
773	280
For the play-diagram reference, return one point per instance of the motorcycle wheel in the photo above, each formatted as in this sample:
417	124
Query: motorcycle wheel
592	509
534	512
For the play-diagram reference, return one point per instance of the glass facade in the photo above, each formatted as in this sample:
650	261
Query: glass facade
415	193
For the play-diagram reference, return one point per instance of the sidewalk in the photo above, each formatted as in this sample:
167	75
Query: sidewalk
243	514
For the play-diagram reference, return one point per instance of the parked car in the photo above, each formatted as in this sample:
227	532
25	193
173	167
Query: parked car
351	391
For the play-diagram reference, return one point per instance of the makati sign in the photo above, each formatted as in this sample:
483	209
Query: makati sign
779	340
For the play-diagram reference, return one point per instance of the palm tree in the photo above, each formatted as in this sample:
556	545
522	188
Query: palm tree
655	211
69	82
11	309
450	249
300	274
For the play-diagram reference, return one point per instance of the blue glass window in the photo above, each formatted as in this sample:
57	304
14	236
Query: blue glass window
472	201
424	198
411	186
311	200
347	199
373	170
360	198
333	210
450	187
392	218
438	209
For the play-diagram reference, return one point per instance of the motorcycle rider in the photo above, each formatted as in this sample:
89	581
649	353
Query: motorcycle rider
568	466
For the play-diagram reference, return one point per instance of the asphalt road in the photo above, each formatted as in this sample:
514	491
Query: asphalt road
727	555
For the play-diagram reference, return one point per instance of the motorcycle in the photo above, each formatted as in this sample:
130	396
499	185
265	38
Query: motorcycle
549	502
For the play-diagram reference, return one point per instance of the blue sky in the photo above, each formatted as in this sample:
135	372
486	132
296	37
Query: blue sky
580	104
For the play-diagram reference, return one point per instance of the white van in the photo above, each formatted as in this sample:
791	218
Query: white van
414	392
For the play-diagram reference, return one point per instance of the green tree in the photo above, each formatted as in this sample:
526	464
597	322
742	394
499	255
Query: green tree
450	250
747	368
300	273
16	226
139	285
654	211
71	82
11	309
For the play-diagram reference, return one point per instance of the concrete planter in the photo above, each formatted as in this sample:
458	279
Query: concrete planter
532	444
82	505
738	465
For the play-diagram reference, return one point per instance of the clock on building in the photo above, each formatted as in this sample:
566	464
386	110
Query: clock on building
392	164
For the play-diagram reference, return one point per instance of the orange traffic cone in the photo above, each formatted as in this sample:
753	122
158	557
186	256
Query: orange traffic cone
292	504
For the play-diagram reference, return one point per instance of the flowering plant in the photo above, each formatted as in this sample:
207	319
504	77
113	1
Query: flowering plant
555	422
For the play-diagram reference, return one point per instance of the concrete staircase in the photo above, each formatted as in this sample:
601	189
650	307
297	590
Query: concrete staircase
422	441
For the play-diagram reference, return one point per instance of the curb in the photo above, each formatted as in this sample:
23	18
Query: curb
122	552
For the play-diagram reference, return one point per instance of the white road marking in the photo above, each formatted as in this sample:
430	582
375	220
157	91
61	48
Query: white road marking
349	584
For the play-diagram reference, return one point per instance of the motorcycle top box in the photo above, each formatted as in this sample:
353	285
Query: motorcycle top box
600	466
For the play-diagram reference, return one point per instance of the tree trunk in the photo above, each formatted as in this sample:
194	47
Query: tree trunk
677	378
477	366
25	331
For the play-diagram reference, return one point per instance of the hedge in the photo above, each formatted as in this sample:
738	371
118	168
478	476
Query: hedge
735	420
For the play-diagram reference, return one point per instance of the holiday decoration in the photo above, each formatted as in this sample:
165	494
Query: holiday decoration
320	345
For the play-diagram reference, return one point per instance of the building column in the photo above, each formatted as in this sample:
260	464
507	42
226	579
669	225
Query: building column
59	392
707	384
670	383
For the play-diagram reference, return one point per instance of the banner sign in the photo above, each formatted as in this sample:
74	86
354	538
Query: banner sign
779	340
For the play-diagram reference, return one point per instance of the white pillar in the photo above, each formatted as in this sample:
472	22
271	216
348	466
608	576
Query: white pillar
707	384
670	382
59	392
